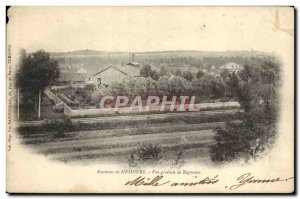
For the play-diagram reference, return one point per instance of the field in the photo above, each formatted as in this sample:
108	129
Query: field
116	138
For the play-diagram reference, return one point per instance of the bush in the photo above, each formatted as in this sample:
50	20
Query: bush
54	127
146	154
58	134
238	141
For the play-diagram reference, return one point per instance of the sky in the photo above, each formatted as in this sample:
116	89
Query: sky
140	29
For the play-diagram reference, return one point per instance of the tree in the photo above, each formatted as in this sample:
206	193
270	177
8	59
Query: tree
225	73
232	83
257	93
245	91
174	85
219	87
187	75
146	154
37	72
178	72
163	71
212	87
268	93
200	74
146	71
99	93
154	75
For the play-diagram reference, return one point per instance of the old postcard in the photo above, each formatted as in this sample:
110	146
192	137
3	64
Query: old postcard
150	100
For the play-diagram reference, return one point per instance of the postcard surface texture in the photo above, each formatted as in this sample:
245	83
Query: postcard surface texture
150	100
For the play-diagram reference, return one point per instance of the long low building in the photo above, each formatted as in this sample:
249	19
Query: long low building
232	67
71	79
114	74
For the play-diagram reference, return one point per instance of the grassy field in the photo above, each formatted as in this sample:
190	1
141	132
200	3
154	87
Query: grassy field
116	140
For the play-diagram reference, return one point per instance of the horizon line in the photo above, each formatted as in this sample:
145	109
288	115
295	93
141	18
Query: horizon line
153	51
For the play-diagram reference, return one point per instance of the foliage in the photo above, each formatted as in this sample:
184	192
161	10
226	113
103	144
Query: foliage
56	128
146	153
36	72
258	86
163	71
235	141
231	84
207	87
146	71
132	87
178	73
200	74
98	94
173	85
83	95
187	75
256	91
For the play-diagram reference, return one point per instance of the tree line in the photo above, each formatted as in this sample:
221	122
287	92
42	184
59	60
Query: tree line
257	92
203	86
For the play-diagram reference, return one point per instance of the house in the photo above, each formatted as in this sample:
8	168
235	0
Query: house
64	79
135	64
193	69
81	71
204	70
78	80
84	73
232	67
113	74
71	79
107	76
213	70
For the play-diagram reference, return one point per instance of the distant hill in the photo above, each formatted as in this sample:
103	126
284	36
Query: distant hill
161	53
93	60
85	52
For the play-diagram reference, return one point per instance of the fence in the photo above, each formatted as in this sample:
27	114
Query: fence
53	97
98	112
105	111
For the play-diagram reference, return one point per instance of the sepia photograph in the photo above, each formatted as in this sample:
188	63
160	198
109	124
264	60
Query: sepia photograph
150	99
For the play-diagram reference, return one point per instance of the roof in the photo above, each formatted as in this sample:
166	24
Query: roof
193	69
126	69
81	71
108	68
130	70
231	65
133	64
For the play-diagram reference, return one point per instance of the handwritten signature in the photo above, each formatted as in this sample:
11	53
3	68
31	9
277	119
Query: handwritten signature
242	180
248	178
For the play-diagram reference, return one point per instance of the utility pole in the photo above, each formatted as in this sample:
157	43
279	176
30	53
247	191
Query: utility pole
224	96
18	109
39	108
